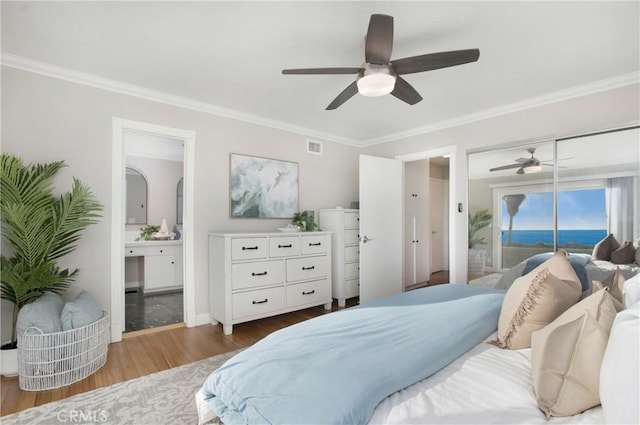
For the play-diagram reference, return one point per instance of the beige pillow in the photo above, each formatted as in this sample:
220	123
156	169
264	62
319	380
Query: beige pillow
615	284
535	300
566	356
624	254
602	250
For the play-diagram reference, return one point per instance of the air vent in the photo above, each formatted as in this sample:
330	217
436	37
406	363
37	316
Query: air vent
314	147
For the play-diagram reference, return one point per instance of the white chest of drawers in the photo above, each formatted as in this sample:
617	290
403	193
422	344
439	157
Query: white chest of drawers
256	275
345	225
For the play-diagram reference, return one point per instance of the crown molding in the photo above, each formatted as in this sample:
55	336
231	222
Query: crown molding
534	102
66	74
42	68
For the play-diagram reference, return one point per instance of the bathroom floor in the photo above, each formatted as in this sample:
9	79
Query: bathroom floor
150	311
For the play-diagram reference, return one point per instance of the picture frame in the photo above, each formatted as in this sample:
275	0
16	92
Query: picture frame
262	187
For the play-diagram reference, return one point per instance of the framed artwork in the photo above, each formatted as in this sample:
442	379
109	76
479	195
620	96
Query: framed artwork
262	187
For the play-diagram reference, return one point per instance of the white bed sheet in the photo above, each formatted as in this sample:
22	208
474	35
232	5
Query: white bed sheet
487	385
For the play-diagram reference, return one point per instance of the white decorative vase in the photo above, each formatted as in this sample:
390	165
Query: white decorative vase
9	362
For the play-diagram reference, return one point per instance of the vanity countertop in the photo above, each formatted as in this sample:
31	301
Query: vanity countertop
133	244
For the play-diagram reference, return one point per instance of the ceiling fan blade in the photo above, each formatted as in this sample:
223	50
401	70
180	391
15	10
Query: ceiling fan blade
405	92
379	42
520	171
433	61
505	167
315	71
346	94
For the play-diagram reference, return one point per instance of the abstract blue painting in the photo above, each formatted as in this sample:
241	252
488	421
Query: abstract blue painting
263	187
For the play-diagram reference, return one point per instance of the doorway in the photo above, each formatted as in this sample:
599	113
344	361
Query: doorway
427	185
153	268
118	222
426	222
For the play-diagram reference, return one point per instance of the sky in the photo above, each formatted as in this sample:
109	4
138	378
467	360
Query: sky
577	209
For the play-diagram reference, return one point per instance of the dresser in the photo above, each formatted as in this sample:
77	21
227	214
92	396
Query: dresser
345	251
256	275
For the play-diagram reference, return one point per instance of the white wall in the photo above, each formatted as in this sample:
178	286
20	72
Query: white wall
596	111
46	119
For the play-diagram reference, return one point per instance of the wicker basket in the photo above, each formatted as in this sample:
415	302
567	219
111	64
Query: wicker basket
48	361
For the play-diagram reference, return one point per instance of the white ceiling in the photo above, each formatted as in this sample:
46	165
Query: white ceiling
228	56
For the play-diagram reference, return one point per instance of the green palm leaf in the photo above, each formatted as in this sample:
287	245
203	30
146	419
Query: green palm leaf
39	228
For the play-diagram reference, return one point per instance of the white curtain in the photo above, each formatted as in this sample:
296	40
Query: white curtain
620	205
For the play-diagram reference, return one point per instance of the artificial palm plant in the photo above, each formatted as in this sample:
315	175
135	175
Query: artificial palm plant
477	222
39	228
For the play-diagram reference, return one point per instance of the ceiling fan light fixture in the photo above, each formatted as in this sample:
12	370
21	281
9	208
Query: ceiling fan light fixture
376	80
531	169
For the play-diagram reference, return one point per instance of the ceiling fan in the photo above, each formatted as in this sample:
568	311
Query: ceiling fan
379	75
527	165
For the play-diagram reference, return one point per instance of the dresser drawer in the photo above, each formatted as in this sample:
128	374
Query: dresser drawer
351	236
351	253
285	246
248	248
258	302
352	288
260	273
306	268
308	292
142	251
314	244
351	219
351	270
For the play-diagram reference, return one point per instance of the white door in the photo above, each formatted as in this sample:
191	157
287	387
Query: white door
439	225
381	230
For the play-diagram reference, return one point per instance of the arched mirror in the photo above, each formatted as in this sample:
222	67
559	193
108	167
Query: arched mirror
136	197
179	199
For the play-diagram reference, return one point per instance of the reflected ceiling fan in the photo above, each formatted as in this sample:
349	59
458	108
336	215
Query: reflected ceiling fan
528	165
379	75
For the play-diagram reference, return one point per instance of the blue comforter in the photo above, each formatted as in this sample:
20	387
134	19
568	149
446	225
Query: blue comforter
336	368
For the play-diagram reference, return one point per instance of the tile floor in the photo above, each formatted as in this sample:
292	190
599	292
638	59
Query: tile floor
153	310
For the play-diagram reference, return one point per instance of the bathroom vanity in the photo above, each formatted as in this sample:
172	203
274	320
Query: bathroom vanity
159	264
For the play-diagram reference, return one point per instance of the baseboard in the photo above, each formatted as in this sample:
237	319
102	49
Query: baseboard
202	319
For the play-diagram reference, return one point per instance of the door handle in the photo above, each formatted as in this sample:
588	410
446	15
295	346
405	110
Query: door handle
366	239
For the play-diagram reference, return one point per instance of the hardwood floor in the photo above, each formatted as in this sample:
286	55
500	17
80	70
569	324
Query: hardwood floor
147	353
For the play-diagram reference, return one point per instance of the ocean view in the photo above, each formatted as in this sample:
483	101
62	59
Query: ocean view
565	237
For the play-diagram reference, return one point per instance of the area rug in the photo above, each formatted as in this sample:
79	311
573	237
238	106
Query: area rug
166	397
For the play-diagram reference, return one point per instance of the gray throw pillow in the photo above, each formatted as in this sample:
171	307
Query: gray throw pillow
43	314
80	312
624	255
602	250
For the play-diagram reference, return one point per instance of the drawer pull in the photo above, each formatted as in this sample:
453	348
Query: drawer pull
244	248
308	268
309	293
315	244
260	302
264	273
285	246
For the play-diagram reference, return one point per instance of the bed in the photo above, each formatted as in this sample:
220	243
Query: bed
466	381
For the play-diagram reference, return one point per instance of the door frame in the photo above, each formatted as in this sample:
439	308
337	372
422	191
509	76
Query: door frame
457	219
118	193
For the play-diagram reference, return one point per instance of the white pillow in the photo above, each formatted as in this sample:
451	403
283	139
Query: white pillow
620	369
631	291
